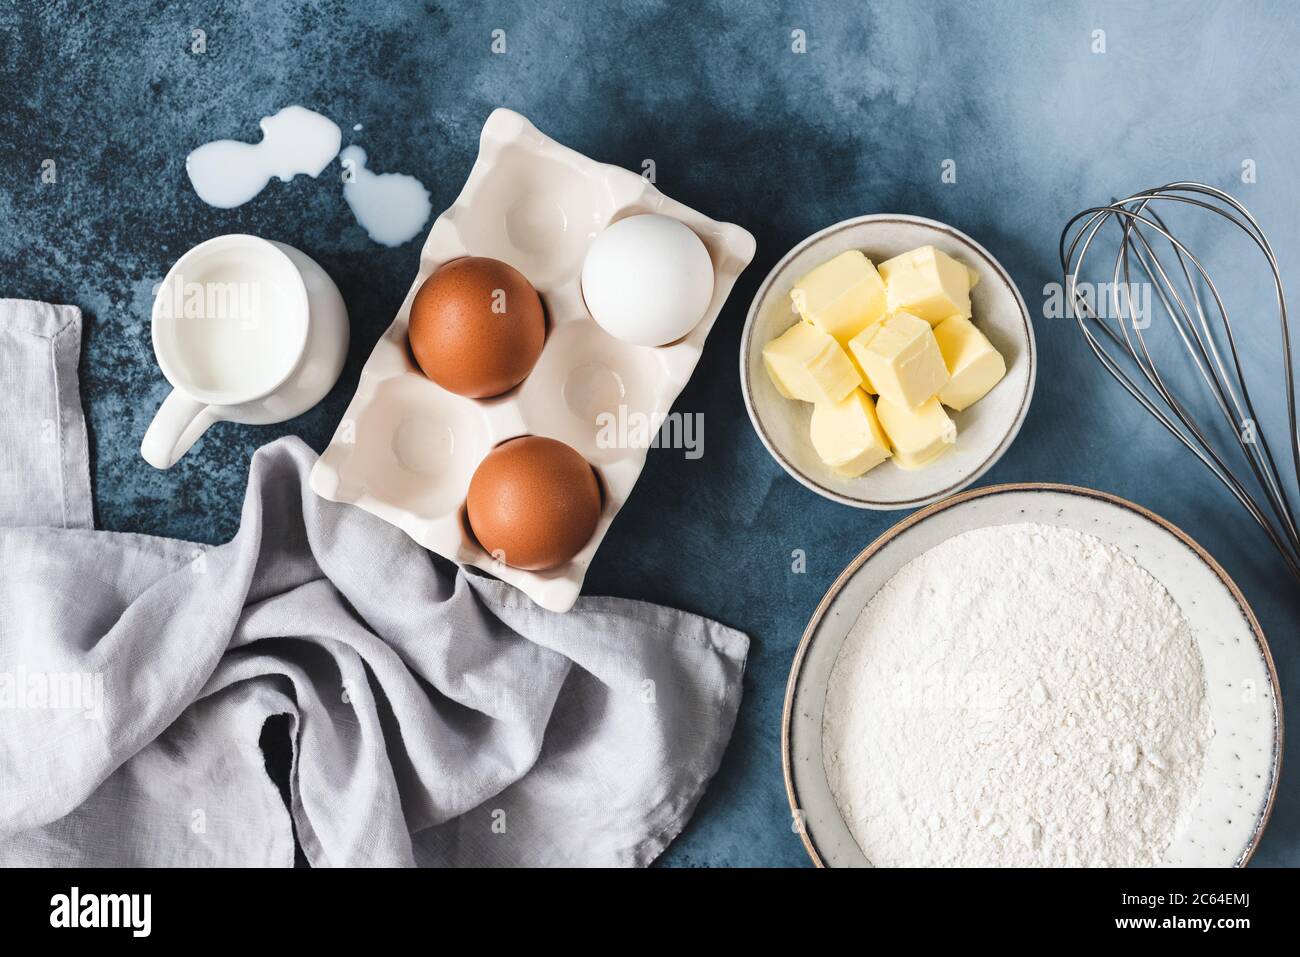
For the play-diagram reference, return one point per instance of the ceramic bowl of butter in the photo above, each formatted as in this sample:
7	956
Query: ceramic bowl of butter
887	361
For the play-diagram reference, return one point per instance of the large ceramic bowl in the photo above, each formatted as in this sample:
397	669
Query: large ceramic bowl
984	431
1242	760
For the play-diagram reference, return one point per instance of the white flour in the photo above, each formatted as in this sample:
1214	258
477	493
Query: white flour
1022	695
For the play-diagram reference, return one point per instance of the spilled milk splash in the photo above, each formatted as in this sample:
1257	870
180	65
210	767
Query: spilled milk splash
228	173
391	207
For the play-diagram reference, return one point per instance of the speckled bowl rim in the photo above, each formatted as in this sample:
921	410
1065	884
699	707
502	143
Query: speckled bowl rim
1031	357
787	711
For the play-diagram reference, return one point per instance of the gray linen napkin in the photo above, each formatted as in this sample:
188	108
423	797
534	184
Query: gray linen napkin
437	717
44	478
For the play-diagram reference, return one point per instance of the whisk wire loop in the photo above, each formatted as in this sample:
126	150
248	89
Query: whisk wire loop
1194	307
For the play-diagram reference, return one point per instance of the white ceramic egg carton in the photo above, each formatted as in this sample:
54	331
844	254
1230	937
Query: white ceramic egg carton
406	449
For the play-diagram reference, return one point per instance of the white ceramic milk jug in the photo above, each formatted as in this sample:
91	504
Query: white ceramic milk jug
245	330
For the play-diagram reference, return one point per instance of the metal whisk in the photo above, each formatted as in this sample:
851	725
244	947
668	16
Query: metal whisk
1189	299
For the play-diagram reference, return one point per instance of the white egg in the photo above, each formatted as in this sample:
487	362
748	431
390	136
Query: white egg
648	280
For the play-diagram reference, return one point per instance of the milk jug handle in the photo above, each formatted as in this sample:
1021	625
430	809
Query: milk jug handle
179	423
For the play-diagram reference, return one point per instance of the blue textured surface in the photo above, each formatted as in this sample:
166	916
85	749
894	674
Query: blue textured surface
739	126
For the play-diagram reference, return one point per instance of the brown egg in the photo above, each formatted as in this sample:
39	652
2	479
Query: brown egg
533	502
477	327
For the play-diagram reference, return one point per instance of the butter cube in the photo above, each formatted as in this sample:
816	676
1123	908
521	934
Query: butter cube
864	335
901	358
974	366
928	283
847	435
920	435
807	364
841	297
